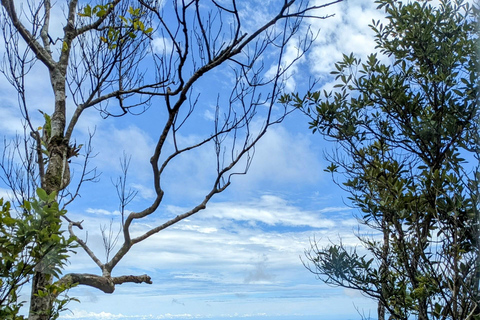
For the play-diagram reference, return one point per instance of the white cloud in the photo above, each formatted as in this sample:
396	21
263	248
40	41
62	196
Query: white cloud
103	212
346	32
38	97
269	209
292	58
143	191
199	228
6	194
11	123
162	45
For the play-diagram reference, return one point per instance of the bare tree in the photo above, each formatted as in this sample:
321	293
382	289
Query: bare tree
107	57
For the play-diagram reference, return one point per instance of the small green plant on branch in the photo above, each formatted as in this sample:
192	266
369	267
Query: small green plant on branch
30	241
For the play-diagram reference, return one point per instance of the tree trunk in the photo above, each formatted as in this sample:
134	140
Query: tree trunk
40	308
476	280
381	311
57	178
384	267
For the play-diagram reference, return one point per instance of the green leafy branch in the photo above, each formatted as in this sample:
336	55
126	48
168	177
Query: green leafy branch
114	36
33	241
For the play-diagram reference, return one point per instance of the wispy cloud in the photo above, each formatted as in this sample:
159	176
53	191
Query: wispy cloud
6	194
260	272
270	210
103	212
229	237
162	45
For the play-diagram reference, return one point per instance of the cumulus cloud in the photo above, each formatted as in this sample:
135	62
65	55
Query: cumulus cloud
346	32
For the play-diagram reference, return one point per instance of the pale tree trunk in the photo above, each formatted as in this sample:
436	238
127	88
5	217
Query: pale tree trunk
56	178
57	175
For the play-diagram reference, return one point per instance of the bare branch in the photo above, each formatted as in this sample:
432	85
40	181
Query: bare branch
103	283
41	53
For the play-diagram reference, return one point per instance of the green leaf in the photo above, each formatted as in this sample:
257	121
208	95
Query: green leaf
52	197
87	11
42	194
8	221
125	21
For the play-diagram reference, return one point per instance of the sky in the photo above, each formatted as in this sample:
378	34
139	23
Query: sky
242	257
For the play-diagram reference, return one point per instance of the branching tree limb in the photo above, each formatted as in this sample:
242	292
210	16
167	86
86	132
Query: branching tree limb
107	57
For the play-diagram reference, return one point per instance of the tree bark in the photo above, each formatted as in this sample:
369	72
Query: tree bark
104	283
57	178
39	307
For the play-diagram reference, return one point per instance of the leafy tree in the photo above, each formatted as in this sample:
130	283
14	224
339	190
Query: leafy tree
405	123
122	57
32	241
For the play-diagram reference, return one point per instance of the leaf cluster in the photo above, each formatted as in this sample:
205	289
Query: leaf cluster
32	241
118	34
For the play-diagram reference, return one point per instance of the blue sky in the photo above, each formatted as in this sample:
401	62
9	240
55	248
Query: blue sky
241	257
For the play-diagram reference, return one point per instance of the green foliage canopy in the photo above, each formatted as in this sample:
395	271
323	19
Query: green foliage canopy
406	123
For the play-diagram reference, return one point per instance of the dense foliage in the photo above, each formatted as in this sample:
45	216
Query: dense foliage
406	124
